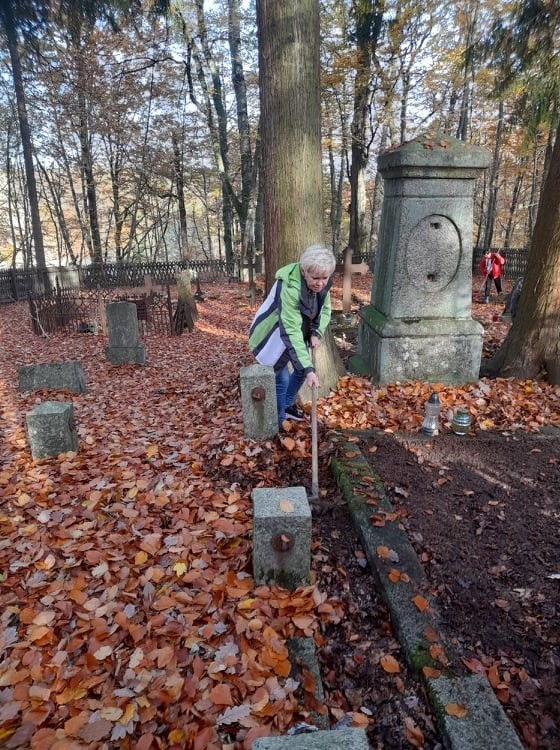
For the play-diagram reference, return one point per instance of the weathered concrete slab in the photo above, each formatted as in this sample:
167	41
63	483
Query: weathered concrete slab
55	376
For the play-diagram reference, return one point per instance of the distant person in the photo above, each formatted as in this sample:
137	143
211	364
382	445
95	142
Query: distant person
290	322
491	265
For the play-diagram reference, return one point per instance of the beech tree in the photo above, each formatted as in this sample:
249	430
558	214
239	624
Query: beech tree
291	142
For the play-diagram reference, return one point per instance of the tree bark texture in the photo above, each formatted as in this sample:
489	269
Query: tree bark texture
532	347
290	129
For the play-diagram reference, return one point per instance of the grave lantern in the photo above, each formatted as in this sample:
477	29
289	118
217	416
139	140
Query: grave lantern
432	407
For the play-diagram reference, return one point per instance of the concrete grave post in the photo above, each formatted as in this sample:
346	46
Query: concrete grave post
281	537
418	324
56	376
51	429
124	338
257	384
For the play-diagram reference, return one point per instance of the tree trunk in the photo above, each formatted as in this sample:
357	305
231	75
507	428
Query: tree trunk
532	347
368	27
468	71
84	135
290	129
291	142
180	186
8	22
510	224
186	312
493	181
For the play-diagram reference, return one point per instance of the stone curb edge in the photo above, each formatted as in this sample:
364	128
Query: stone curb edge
403	585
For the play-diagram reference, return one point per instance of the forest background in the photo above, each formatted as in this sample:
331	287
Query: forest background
143	127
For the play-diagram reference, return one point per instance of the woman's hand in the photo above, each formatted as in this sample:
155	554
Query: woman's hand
314	341
312	380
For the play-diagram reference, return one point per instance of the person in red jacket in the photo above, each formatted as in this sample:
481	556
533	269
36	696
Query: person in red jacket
491	267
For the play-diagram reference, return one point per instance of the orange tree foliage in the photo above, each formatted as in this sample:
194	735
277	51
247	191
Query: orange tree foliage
129	617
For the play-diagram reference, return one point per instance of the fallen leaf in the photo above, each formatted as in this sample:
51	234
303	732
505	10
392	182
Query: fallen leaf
286	506
389	664
456	709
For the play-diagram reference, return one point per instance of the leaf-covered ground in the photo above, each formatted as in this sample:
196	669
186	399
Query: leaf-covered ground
129	617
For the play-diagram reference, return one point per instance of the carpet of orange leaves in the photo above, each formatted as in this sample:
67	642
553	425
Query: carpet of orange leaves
129	617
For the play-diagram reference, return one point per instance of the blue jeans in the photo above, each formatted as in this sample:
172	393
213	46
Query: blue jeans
287	387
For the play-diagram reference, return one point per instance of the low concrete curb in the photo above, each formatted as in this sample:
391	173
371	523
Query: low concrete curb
402	582
335	739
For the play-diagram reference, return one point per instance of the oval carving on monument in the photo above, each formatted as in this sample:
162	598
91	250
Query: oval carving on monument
433	253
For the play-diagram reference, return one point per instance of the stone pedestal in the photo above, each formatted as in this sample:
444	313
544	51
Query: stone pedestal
281	537
257	384
51	429
419	324
124	338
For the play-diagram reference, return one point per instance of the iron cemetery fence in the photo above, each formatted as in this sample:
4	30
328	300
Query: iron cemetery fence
83	311
18	283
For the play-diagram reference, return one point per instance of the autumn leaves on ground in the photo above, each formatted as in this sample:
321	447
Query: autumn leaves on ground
129	615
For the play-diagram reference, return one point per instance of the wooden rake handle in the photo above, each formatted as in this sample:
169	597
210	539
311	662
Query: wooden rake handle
314	447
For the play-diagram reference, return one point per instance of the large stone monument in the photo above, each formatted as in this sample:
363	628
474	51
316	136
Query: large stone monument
418	325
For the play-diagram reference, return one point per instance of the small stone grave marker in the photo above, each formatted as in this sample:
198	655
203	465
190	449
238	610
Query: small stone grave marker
51	429
281	537
258	401
124	338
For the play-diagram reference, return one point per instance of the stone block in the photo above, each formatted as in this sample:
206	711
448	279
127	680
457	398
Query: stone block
257	384
281	537
124	338
55	376
334	739
124	355
51	429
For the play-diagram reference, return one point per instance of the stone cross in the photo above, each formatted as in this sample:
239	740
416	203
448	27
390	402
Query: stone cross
348	269
149	286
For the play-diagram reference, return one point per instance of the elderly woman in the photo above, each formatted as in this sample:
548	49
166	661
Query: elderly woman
290	322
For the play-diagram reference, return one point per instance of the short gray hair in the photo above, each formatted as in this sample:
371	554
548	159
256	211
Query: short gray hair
317	258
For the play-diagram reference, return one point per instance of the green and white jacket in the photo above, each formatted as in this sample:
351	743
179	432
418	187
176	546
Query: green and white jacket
286	320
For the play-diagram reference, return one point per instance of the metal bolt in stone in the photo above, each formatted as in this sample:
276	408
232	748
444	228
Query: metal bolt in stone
282	542
258	393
